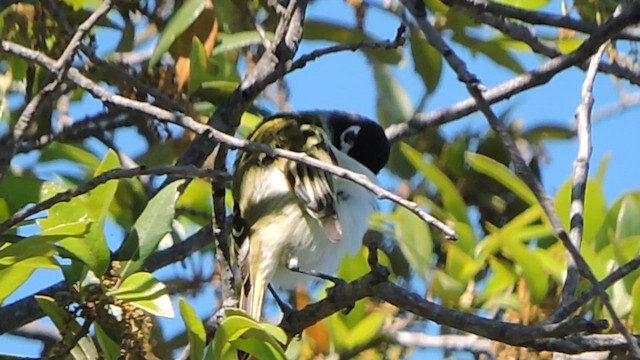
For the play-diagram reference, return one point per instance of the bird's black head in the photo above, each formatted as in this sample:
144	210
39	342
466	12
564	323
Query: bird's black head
360	138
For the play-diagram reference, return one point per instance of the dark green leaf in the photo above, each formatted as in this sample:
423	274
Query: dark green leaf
539	133
84	349
110	347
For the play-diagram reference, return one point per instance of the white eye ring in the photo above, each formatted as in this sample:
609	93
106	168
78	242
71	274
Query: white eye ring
348	137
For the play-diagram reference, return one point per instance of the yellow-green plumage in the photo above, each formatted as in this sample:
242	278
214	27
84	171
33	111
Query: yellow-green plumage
285	205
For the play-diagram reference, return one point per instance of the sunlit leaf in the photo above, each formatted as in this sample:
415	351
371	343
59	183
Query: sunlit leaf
236	41
500	173
195	330
525	4
594	208
150	227
414	238
366	329
144	291
451	197
179	22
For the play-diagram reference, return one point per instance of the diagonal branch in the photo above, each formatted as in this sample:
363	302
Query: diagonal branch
538	17
59	70
207	131
181	171
273	64
536	77
27	310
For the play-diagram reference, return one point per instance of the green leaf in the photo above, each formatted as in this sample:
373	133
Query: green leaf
493	49
628	223
69	326
109	346
502	279
534	273
150	227
539	133
366	329
198	66
92	250
447	288
414	238
393	102
144	291
195	330
127	41
76	154
427	61
239	332
236	41
13	276
18	191
97	258
179	22
525	4
594	209
451	197
635	306
322	30
460	265
500	173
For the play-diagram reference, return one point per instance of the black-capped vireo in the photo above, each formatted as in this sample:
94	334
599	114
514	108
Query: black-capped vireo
295	216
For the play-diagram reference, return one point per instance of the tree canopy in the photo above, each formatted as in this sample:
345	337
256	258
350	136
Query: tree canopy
115	163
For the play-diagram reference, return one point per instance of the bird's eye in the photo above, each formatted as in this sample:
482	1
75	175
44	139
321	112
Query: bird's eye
350	137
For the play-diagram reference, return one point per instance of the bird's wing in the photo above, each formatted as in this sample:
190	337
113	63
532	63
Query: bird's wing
314	188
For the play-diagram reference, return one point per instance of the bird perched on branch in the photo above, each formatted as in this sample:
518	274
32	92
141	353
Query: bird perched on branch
296	220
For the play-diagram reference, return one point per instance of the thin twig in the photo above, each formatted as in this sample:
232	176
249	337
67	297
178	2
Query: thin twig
26	310
581	172
189	123
536	77
538	17
183	171
59	70
473	85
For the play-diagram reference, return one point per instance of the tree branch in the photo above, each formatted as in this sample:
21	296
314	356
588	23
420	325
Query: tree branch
59	71
581	173
26	310
533	78
182	171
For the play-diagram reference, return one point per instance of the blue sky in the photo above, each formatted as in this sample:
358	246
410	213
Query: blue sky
345	82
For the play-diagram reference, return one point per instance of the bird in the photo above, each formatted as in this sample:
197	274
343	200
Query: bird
292	220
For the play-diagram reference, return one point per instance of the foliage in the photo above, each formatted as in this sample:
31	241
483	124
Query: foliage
506	259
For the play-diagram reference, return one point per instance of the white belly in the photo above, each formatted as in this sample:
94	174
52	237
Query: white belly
314	251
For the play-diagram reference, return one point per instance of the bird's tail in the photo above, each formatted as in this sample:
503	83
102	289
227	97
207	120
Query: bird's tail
253	296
